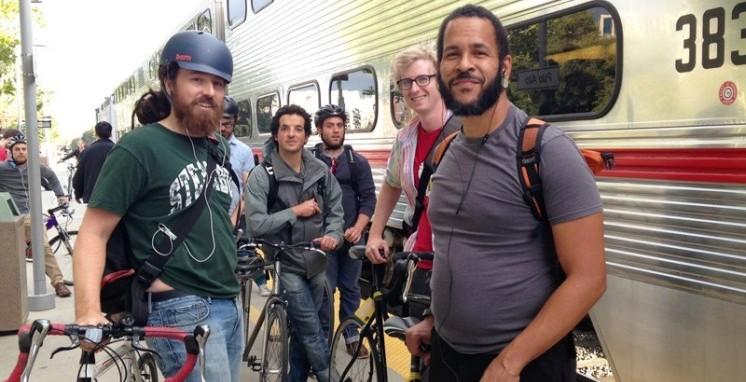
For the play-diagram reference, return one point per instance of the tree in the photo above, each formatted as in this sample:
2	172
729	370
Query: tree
8	42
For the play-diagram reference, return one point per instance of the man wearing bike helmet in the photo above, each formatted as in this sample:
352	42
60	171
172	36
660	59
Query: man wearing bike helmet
358	201
150	178
14	180
306	207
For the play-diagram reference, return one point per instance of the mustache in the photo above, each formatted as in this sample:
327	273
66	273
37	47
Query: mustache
465	76
207	100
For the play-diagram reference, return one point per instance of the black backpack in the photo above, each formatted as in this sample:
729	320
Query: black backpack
125	279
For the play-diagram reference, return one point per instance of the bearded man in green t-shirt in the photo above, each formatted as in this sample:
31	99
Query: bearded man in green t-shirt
151	177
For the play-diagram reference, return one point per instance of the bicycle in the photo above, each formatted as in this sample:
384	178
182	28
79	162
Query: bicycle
65	238
273	364
140	368
372	322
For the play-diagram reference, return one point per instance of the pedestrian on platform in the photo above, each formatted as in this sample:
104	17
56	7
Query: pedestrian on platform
90	162
149	181
14	180
353	173
507	288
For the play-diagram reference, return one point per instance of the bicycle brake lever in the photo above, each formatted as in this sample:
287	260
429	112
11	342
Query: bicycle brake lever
64	348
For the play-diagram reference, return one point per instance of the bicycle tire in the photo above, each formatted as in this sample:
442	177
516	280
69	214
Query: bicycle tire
148	368
57	244
276	352
360	369
329	295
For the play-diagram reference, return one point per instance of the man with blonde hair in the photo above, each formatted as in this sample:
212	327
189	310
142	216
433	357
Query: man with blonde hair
414	70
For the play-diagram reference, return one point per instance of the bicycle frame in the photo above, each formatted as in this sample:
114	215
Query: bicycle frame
274	298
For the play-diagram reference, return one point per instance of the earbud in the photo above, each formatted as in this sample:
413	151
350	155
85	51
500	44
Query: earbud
504	82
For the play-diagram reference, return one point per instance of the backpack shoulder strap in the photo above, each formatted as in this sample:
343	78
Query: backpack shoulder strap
529	163
273	186
442	148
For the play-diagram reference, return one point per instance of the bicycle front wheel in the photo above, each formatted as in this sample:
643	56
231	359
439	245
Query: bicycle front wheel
148	368
353	363
63	243
275	359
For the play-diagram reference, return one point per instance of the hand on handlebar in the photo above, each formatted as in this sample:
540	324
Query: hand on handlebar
376	250
418	338
64	199
92	319
326	243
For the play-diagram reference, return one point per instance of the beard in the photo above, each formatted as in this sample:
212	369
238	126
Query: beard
331	146
487	98
194	119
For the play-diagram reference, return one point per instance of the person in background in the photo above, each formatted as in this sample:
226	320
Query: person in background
3	151
90	162
75	153
14	180
358	201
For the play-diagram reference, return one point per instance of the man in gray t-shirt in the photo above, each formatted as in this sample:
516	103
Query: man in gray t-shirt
501	309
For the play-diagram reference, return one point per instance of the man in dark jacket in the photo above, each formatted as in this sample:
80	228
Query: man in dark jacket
90	162
307	207
358	201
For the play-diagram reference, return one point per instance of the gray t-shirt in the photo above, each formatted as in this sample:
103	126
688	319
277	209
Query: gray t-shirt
495	265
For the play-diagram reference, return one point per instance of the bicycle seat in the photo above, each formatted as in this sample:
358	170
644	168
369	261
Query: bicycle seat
396	326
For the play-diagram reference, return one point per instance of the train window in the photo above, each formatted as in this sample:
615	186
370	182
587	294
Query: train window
266	106
204	22
236	12
356	92
565	66
258	5
243	125
401	114
306	96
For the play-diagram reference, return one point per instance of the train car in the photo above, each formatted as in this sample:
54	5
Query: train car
659	84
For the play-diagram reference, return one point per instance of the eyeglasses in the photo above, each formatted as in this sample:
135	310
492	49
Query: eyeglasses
421	80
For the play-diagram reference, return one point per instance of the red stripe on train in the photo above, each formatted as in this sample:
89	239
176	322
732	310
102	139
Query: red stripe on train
716	165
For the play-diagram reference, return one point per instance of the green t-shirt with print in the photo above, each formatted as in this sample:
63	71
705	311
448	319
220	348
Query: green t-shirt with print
150	177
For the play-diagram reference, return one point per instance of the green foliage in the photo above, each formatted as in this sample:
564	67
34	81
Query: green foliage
585	59
8	42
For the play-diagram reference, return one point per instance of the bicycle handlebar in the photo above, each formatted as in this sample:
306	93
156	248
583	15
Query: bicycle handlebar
31	338
61	207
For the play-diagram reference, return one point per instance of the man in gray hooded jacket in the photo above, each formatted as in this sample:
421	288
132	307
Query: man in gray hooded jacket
307	207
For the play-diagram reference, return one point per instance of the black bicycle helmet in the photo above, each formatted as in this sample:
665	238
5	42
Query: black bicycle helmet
328	111
199	51
230	107
16	139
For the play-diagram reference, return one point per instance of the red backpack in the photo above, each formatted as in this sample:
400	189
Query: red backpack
529	162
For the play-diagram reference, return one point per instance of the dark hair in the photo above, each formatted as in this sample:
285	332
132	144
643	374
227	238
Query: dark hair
103	129
155	105
470	10
7	133
291	109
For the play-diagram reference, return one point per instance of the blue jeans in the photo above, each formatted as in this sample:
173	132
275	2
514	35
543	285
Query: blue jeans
343	272
308	346
224	346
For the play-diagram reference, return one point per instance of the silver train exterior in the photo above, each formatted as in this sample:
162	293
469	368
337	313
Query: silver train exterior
670	104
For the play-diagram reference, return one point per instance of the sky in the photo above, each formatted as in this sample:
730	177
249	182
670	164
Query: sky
88	47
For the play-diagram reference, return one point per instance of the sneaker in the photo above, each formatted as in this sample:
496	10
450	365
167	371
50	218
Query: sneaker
363	353
264	291
61	290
